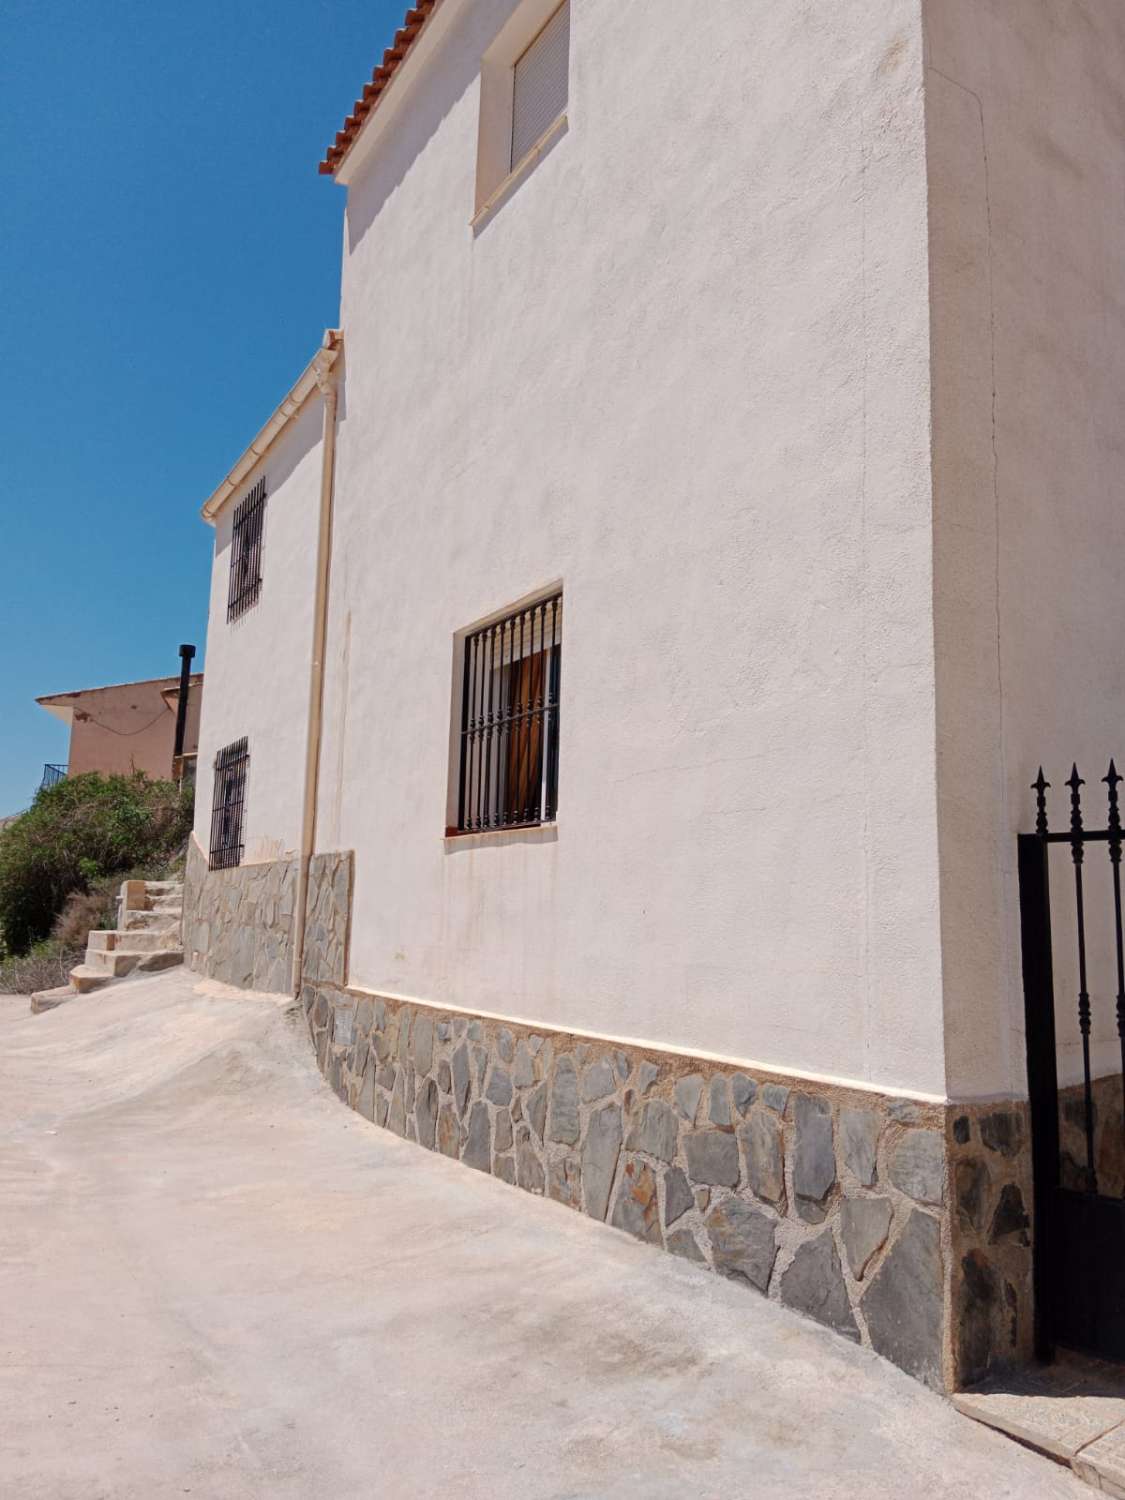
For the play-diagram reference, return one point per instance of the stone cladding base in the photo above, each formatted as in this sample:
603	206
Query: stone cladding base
238	923
989	1149
902	1225
827	1200
989	1153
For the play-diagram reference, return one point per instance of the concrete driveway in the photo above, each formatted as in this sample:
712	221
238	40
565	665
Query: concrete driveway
217	1281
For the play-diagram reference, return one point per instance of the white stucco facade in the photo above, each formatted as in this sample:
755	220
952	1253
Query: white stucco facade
684	370
793	360
260	660
1026	180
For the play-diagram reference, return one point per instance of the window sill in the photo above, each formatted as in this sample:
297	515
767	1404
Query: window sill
519	833
500	194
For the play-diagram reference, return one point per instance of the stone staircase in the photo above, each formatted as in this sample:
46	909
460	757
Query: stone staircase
147	938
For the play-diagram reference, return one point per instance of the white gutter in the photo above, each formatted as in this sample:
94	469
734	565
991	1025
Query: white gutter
325	378
314	372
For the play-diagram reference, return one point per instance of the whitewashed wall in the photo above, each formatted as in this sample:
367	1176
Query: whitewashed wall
258	665
685	369
1025	104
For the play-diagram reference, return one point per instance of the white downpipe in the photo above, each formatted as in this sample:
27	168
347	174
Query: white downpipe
326	380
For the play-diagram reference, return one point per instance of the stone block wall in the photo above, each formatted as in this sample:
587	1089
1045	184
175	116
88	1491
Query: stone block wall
990	1171
238	923
328	905
989	1153
829	1201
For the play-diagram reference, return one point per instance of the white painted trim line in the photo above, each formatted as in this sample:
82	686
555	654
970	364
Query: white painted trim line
774	1069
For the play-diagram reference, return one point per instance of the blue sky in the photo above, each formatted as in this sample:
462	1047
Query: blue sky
169	259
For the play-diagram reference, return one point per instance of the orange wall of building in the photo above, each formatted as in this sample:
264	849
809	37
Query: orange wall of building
129	728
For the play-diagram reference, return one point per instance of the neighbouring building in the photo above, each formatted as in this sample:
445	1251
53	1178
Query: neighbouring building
633	640
127	727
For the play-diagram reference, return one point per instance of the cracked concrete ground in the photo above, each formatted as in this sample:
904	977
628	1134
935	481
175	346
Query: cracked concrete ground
217	1281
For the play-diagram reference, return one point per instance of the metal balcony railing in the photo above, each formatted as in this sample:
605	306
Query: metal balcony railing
52	775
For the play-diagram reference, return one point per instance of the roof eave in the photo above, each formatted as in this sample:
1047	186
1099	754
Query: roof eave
415	25
314	372
62	711
171	695
49	700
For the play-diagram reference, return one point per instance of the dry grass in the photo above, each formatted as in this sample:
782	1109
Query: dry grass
85	911
46	967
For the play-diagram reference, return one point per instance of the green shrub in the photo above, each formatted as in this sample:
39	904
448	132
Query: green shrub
74	836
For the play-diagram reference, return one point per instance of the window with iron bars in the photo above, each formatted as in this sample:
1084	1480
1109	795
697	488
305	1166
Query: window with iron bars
509	753
232	765
246	552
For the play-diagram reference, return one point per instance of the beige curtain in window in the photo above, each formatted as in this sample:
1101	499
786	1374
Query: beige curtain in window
525	741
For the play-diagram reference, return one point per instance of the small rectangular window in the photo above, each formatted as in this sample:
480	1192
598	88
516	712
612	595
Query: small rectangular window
509	770
539	83
246	552
232	764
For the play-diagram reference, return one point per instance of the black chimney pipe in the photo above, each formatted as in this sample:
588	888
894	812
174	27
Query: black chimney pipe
186	655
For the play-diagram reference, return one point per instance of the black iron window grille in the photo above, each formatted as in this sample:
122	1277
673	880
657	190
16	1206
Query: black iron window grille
229	802
246	552
509	757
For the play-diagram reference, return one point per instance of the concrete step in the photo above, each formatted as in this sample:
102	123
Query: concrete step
154	921
102	939
153	963
137	921
146	940
110	961
171	904
1073	1410
116	965
154	888
83	979
132	894
43	1000
121	961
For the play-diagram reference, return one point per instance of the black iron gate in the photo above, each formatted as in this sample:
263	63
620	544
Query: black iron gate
1079	1231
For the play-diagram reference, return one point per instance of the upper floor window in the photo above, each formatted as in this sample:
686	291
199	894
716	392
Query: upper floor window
524	92
540	83
509	741
232	766
246	552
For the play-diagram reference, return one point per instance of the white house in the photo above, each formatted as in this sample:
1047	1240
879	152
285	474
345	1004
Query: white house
633	639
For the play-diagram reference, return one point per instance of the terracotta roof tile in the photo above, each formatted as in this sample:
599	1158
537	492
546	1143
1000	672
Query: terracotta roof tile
393	58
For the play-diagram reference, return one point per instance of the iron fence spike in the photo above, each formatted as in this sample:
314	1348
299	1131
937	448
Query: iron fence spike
1039	786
